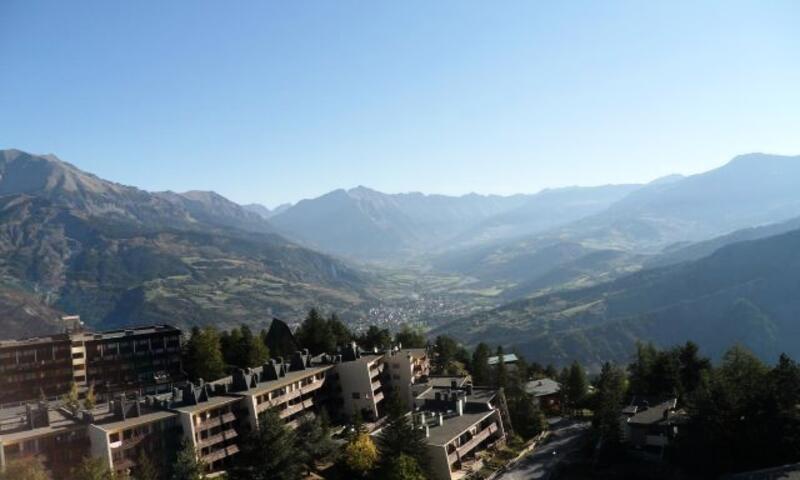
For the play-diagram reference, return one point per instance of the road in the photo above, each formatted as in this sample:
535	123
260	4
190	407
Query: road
564	438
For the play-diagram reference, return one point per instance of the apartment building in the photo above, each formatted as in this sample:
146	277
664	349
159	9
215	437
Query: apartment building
461	423
145	359
292	389
38	431
361	381
213	417
405	369
123	432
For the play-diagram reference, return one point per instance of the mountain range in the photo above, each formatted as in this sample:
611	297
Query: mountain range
568	273
118	255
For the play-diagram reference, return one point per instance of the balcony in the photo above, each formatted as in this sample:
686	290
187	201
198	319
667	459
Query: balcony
220	454
378	397
376	386
216	421
292	409
470	445
286	397
218	438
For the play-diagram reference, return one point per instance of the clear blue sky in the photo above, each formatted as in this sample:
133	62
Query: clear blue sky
276	101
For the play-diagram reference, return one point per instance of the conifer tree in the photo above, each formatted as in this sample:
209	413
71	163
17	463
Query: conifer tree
400	436
187	466
90	400
410	337
315	335
481	373
269	453
403	467
203	355
92	469
72	399
29	468
145	468
339	331
314	440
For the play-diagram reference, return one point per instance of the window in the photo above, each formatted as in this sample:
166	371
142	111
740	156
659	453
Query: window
356	395
114	437
77	355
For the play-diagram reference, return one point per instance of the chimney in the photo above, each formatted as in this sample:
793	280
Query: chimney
441	419
427	431
453	384
460	407
469	389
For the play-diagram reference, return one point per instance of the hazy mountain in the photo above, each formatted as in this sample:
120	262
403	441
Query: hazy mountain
546	209
118	255
750	190
364	223
746	292
265	212
686	251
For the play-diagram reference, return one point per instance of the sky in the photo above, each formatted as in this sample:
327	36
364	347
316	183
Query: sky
271	102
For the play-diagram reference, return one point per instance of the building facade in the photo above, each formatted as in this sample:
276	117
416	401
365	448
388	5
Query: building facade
145	359
461	424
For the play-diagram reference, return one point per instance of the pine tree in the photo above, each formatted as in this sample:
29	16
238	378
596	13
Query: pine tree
314	440
90	400
400	436
410	338
145	468
30	468
481	373
314	334
403	467
375	337
339	331
609	400
187	466
252	349
574	386
203	355
500	370
269	453
72	399
92	469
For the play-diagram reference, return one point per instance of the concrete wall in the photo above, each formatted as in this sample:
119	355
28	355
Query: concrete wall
100	446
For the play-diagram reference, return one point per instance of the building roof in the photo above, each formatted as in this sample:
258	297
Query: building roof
105	335
651	415
281	382
145	418
454	426
542	387
59	423
212	402
507	358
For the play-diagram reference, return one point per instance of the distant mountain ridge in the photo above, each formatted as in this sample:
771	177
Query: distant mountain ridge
751	190
118	255
367	224
745	292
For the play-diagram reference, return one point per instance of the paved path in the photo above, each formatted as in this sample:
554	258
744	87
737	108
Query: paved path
564	438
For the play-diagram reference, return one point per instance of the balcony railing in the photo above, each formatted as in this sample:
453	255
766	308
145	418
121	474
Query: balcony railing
292	409
220	454
216	421
315	385
218	438
472	443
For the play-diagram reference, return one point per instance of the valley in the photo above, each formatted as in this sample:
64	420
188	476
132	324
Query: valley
578	272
